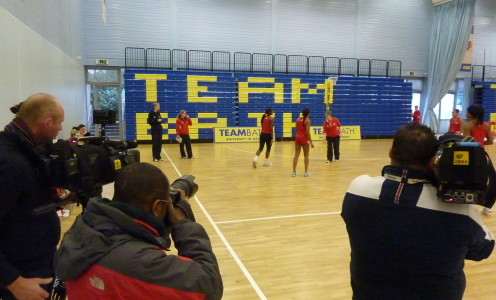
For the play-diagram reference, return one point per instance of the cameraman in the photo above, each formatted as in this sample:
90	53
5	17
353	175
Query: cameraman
27	242
405	242
117	249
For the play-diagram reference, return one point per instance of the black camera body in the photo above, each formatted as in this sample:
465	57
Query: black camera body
85	166
465	173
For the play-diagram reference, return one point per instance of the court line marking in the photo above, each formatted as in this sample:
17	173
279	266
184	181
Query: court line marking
280	217
224	240
347	159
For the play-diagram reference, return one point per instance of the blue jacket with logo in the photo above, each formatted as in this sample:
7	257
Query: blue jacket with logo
405	242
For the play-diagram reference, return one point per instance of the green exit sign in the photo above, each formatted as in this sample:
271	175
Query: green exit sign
102	61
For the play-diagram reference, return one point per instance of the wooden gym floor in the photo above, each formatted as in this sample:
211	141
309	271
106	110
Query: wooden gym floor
280	237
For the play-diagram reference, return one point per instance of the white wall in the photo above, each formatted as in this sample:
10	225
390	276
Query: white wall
381	29
485	33
31	64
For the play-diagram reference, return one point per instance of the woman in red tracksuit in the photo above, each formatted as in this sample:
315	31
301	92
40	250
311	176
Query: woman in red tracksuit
182	129
302	140
332	131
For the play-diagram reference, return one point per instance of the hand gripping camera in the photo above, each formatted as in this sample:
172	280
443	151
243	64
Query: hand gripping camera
464	171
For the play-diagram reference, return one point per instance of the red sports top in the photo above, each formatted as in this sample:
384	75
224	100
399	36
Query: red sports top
416	116
331	129
182	125
300	127
266	125
479	132
454	125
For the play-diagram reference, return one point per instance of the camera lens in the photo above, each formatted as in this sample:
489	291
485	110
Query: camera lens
187	184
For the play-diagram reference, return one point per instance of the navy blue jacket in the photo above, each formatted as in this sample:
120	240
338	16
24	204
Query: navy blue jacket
27	242
152	120
405	242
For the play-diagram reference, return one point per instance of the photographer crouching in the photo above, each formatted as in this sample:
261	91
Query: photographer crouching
27	242
117	249
407	241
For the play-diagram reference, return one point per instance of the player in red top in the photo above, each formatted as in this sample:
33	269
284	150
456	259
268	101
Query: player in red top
416	115
266	137
456	123
479	130
332	131
182	129
302	140
476	127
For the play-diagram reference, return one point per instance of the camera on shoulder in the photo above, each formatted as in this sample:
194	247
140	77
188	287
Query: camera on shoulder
84	167
464	171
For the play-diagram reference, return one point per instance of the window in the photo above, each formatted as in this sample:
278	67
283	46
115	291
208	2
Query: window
415	100
417	85
444	108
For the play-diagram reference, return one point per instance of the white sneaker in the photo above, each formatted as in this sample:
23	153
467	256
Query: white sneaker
328	161
486	211
293	174
336	159
254	163
155	159
267	164
306	174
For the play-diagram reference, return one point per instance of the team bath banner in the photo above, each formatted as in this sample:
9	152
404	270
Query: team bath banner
252	134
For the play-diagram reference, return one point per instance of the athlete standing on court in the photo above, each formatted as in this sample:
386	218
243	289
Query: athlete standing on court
456	123
476	127
302	140
479	130
266	137
332	131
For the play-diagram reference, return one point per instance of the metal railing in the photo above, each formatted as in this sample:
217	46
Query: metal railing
177	59
483	73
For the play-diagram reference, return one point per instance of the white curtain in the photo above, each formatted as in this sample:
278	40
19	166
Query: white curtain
451	26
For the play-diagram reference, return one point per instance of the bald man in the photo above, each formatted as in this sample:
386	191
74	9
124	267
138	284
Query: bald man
27	242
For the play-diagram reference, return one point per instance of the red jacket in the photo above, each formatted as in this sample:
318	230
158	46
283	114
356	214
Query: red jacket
114	251
182	125
331	129
416	116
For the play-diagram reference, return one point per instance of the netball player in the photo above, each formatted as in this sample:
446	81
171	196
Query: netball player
476	127
266	137
456	123
479	130
302	140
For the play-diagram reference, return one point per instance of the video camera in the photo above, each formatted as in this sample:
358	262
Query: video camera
464	171
85	166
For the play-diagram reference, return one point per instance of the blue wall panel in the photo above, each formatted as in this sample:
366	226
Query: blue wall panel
212	99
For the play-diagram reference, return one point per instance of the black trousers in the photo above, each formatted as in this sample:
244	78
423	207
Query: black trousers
186	142
156	142
332	144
